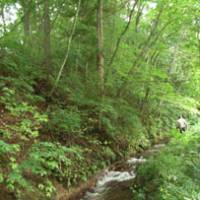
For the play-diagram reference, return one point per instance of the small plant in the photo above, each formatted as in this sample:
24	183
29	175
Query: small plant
108	153
28	120
65	121
44	160
6	148
47	188
47	158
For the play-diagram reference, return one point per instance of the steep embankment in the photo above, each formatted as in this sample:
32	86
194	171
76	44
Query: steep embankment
49	163
115	181
172	174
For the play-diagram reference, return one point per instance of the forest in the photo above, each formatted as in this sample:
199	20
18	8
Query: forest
85	84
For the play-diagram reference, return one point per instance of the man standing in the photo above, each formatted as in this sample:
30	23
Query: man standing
181	124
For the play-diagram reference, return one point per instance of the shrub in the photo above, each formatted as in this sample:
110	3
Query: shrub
45	160
173	174
65	121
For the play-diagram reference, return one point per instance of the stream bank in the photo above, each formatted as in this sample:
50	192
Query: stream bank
114	182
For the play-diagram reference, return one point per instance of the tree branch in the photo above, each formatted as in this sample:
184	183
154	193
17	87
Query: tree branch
123	33
68	49
144	50
20	21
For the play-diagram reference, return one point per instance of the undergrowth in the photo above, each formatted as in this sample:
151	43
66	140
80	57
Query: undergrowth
173	174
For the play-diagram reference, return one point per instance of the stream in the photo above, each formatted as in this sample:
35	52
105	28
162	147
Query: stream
115	184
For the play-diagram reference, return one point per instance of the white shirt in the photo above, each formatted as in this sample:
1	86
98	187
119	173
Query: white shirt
181	123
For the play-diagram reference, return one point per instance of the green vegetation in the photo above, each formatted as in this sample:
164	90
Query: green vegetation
173	174
86	83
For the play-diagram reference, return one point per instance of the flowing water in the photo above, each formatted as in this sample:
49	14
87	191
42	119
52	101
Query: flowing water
116	184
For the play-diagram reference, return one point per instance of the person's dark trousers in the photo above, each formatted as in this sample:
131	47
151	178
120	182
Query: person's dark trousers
182	130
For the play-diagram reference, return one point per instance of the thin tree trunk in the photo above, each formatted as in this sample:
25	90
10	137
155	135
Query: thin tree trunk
86	72
138	16
3	19
198	38
145	47
123	33
100	44
47	36
199	49
145	99
68	49
26	20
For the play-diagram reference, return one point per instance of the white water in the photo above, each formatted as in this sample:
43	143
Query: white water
134	161
114	182
115	176
110	177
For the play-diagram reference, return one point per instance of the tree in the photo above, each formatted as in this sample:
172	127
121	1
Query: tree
47	37
26	19
111	75
100	44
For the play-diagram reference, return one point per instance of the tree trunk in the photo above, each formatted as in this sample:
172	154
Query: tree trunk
145	100
47	36
68	49
123	33
26	20
100	56
198	38
3	19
